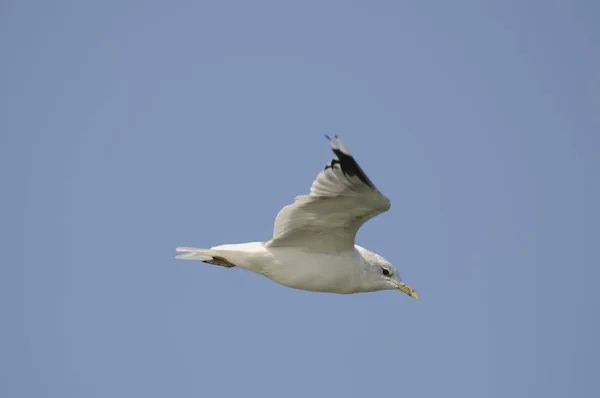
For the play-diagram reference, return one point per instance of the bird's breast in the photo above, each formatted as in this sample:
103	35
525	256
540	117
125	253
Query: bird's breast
317	272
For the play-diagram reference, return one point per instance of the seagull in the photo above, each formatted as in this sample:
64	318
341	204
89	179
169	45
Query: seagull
313	246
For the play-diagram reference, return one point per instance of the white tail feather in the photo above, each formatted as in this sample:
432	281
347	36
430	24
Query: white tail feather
244	255
195	253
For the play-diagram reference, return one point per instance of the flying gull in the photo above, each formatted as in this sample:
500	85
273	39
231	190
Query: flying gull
313	246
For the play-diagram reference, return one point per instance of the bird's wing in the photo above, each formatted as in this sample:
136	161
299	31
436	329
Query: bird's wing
342	198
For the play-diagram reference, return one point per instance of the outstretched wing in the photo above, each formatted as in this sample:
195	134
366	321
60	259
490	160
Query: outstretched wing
342	198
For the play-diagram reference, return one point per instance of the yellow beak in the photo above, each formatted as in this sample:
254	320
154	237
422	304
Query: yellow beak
408	290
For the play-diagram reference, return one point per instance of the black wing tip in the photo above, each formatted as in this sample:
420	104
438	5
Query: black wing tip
347	163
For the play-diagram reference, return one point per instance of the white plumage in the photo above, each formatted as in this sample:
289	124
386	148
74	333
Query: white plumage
313	245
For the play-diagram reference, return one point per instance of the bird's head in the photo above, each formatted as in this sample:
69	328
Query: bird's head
390	278
382	275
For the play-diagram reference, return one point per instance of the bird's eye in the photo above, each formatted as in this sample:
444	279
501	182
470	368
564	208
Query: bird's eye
386	272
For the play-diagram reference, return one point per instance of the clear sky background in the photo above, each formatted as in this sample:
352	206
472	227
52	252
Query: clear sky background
129	128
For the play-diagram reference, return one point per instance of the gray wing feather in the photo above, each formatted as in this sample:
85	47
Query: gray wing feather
342	198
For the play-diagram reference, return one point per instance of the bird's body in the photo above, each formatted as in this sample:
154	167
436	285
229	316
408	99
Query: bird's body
293	267
313	244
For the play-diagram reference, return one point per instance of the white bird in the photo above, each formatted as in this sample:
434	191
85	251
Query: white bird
313	246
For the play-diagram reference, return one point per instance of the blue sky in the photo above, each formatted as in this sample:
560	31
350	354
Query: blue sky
129	128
